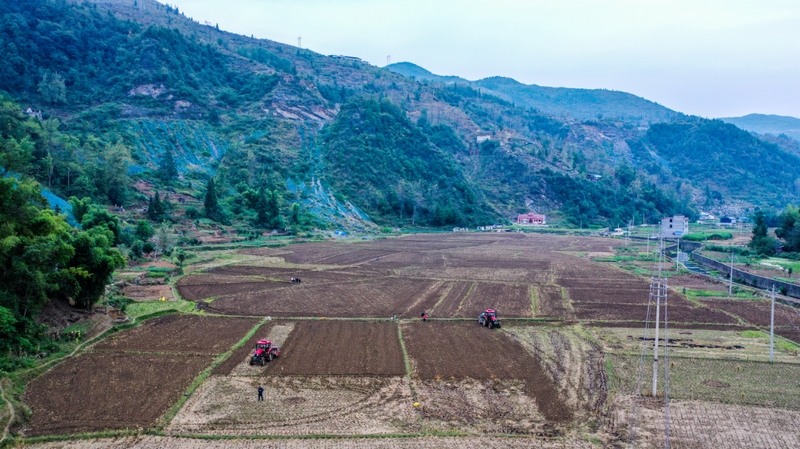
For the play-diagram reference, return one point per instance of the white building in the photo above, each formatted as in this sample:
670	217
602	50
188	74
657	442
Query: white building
674	227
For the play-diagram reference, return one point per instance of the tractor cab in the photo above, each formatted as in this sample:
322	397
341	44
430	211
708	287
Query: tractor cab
263	346
489	319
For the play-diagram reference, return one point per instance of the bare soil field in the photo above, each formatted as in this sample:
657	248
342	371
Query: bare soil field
509	299
180	334
243	353
638	312
198	292
101	391
373	298
148	292
697	282
299	405
756	312
449	305
340	348
426	442
441	350
551	302
479	407
354	257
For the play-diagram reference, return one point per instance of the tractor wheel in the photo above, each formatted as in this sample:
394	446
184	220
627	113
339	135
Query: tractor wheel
262	361
270	357
251	362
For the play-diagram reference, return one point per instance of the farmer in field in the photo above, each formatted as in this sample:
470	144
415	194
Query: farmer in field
424	317
260	393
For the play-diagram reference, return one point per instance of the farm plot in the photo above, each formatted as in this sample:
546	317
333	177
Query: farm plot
717	380
373	298
104	391
354	257
299	405
700	425
511	300
475	274
478	407
635	312
181	333
242	354
551	302
749	344
448	306
466	350
574	362
340	348
756	312
198	292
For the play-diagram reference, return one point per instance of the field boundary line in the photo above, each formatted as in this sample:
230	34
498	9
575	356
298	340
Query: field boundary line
205	374
406	361
532	292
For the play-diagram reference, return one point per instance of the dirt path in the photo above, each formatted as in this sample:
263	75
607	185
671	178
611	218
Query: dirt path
10	412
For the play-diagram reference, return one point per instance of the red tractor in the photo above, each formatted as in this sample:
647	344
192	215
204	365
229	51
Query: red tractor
264	352
489	319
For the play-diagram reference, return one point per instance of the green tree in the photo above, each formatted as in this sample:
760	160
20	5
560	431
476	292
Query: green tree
762	243
100	217
34	251
167	168
789	228
212	209
52	88
117	160
144	231
91	268
80	207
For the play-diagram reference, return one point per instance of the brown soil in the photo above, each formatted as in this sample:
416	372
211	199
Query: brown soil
148	292
105	391
441	350
696	282
183	334
197	292
340	348
551	303
226	367
450	304
373	298
756	312
638	312
509	299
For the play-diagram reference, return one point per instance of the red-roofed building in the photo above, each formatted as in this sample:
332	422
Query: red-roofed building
531	219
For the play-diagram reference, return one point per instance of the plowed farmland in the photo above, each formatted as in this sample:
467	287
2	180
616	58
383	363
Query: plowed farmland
340	348
467	350
102	391
357	359
181	333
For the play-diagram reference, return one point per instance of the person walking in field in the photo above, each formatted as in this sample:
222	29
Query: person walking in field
424	317
260	393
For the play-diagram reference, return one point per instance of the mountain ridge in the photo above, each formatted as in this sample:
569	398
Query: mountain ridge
577	103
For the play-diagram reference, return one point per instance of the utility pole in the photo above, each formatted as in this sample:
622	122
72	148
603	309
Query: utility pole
730	279
388	59
299	39
658	289
772	326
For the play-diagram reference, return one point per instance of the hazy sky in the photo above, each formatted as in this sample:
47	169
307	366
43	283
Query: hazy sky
710	58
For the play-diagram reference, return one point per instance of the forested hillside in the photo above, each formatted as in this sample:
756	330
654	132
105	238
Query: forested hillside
134	91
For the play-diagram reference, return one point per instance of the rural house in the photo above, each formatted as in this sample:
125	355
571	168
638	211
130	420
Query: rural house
676	226
531	219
